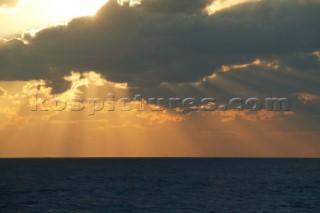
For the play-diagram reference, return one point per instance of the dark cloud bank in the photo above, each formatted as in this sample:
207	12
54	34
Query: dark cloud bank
168	41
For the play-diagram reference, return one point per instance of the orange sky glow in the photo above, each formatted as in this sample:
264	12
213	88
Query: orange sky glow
27	133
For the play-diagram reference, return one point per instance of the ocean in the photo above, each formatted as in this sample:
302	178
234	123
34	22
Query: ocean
160	185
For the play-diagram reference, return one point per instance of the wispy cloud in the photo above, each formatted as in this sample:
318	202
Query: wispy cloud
218	5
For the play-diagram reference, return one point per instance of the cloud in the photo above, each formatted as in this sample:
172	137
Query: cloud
166	41
3	92
9	3
218	5
229	116
306	97
172	7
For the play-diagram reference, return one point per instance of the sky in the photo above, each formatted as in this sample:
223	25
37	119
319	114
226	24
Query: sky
100	51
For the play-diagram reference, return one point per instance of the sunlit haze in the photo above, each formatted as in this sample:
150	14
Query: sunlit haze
39	13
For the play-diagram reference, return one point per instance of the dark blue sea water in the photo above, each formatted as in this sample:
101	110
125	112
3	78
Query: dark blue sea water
160	185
